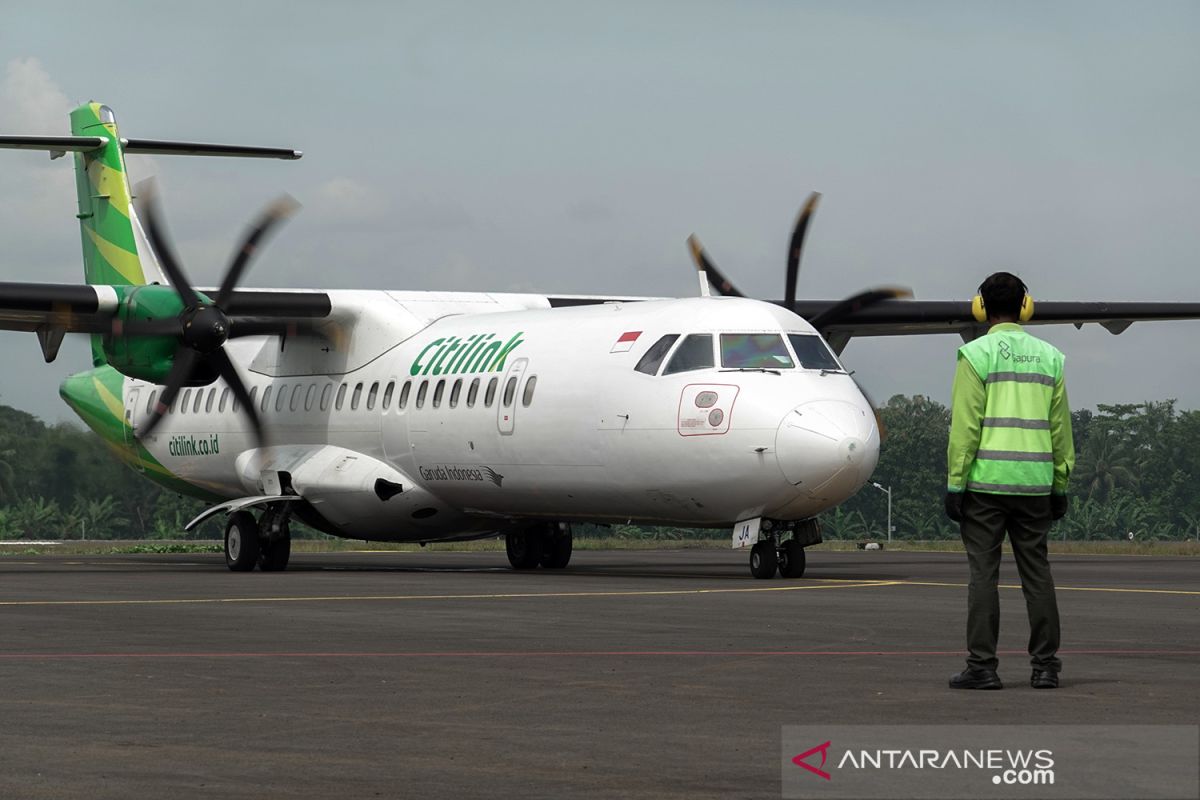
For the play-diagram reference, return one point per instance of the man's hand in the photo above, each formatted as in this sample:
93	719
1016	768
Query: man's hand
1058	506
954	505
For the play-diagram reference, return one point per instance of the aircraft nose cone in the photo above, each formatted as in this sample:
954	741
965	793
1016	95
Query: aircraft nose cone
828	448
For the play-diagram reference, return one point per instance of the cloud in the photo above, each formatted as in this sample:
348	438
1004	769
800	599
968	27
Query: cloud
37	202
28	94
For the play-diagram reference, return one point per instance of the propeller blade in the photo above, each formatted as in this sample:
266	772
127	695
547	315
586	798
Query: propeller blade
722	284
181	368
147	327
855	303
240	327
274	214
160	241
796	247
879	423
220	359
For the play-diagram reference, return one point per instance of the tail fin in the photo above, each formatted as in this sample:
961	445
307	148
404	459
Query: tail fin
107	220
116	251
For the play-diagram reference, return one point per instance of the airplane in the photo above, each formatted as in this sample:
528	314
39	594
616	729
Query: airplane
417	416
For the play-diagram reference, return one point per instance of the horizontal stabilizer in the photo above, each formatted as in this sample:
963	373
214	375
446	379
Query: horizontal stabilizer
61	145
163	148
57	145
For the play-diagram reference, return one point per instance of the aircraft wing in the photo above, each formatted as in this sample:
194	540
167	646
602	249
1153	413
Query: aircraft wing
52	310
906	317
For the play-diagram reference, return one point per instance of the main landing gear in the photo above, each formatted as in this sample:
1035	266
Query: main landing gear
773	554
547	544
250	543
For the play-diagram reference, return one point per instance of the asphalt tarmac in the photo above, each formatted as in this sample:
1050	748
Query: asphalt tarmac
630	674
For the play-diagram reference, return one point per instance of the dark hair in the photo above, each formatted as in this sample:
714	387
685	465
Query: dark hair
1003	294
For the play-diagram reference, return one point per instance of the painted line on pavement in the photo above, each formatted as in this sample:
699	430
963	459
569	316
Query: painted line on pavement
472	654
405	597
1113	589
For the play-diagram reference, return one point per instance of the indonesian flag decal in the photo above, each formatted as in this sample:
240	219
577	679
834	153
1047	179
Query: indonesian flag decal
625	342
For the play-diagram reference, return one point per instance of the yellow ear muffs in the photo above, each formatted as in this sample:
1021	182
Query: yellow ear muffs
979	311
1026	309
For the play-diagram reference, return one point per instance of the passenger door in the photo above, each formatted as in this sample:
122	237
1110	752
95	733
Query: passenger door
507	402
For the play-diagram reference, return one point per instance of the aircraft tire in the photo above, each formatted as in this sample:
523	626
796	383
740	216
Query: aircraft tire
524	548
275	554
241	541
558	550
791	560
763	560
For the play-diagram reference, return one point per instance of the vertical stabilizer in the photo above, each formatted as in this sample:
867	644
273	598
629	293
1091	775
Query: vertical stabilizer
106	221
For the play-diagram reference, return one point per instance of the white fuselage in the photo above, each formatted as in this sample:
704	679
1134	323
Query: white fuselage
433	393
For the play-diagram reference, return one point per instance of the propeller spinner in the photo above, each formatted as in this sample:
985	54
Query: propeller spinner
204	325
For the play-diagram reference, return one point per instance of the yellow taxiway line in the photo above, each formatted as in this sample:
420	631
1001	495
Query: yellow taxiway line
405	597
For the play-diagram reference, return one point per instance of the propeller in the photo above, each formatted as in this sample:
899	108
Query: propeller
204	325
833	315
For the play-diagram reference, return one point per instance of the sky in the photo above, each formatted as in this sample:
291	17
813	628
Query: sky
571	148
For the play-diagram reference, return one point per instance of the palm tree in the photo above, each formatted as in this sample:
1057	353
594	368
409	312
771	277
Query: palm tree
1104	466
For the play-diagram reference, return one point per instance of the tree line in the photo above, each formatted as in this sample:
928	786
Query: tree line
1135	473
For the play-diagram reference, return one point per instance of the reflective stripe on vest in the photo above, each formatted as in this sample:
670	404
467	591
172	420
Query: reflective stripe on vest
1019	372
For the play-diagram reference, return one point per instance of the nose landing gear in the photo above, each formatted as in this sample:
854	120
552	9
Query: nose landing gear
775	553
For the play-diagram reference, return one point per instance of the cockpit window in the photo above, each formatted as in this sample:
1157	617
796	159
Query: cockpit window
813	352
696	352
754	351
652	360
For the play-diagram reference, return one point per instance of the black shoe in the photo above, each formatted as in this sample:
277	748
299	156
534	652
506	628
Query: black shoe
1043	679
976	679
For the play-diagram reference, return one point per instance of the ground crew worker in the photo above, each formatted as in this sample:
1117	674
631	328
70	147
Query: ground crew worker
1009	458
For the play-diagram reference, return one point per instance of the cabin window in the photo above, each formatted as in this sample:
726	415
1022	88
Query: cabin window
294	403
208	404
754	351
326	393
437	393
354	398
341	397
812	352
183	405
253	397
696	352
224	401
455	392
310	396
372	394
404	392
266	399
421	392
473	393
387	394
489	396
652	360
199	400
150	401
510	391
527	395
281	398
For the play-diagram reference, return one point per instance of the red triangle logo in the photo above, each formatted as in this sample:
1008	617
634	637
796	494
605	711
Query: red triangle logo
799	760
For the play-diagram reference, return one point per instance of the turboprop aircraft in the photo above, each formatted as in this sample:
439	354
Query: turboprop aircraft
441	416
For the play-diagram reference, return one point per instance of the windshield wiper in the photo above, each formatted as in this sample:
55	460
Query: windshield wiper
751	369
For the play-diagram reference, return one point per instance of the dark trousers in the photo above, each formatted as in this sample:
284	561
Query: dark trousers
986	517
